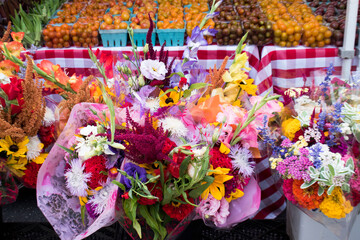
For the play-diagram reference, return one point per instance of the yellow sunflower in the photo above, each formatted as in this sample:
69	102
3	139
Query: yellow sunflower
217	188
14	149
170	98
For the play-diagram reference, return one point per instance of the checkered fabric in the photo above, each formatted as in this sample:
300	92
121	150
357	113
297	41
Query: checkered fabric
283	68
77	60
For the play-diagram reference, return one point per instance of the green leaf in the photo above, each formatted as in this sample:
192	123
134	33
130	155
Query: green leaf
241	43
167	91
331	188
177	73
321	191
195	193
350	163
184	166
331	169
307	184
198	86
120	185
168	193
66	149
151	221
345	187
83	214
187	93
162	181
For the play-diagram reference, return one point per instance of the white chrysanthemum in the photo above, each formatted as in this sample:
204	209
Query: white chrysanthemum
34	148
153	104
100	199
175	126
76	178
305	104
89	130
240	160
49	117
4	79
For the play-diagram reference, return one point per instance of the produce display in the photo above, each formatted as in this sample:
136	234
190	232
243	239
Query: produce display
57	36
333	13
286	23
85	32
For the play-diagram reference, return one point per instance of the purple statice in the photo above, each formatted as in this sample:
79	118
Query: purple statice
264	133
322	120
315	151
296	166
134	171
326	83
334	126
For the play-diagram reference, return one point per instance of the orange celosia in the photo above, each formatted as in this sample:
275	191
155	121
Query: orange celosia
14	48
17	36
307	198
8	68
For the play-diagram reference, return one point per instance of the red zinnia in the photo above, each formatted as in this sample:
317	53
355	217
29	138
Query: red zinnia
31	172
218	159
168	146
178	211
307	198
174	166
94	166
46	135
155	191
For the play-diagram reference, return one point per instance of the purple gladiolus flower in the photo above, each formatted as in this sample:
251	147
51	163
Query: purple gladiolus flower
209	31
132	170
193	71
193	43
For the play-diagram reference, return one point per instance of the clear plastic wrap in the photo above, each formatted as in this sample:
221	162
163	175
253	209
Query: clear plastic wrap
56	202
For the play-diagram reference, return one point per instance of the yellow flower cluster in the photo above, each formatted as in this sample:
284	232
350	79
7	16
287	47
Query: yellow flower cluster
289	127
275	162
335	205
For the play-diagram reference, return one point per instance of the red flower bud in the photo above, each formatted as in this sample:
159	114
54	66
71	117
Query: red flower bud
182	82
125	195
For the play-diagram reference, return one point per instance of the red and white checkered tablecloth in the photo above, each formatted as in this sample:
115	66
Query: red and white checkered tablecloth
283	68
77	60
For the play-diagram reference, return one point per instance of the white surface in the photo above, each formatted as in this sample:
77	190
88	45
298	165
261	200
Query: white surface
349	36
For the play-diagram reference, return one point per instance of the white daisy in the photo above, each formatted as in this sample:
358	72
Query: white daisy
240	160
100	199
175	126
34	148
49	117
76	178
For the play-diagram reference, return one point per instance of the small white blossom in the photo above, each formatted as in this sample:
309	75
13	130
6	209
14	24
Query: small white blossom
76	178
49	117
34	147
153	104
153	69
174	125
89	130
100	199
240	160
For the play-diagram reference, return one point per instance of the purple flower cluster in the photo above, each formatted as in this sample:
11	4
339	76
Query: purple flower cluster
296	166
315	151
134	171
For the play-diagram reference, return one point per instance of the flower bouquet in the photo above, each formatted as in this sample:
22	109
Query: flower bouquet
315	155
188	141
26	122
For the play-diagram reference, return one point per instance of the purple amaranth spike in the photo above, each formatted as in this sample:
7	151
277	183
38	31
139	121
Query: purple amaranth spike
151	54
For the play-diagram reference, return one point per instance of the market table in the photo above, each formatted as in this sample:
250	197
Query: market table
283	68
77	60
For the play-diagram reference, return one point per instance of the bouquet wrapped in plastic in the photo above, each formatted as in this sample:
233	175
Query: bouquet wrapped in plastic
316	157
75	192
